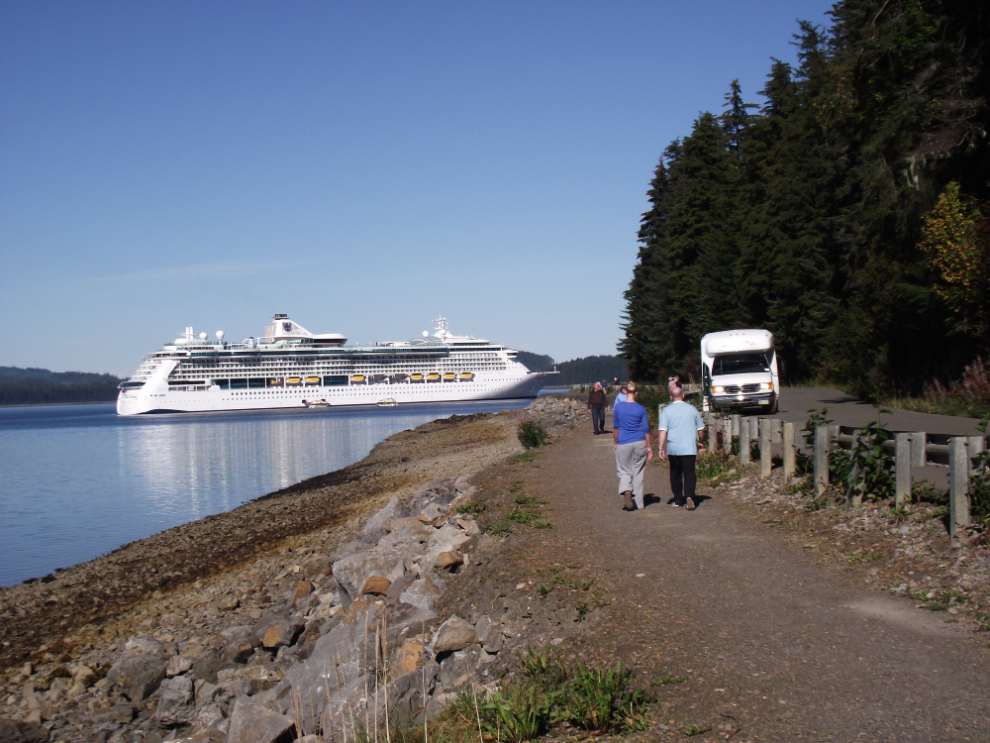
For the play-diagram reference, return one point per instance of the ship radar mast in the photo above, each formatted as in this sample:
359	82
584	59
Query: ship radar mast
441	323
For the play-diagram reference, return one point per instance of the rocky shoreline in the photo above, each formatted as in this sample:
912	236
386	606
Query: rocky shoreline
295	611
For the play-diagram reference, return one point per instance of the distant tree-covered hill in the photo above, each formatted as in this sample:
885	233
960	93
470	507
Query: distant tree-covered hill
32	386
578	371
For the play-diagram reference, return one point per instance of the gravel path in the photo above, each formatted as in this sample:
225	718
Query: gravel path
775	645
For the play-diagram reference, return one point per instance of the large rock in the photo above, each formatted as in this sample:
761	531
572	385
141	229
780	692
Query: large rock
177	665
454	634
405	695
377	526
281	632
409	658
250	722
338	658
457	669
239	643
249	680
376	585
207	718
352	572
424	591
303	590
139	670
175	702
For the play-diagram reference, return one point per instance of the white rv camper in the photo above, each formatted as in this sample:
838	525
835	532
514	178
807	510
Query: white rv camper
739	370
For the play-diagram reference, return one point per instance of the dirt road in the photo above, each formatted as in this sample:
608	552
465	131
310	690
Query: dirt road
775	645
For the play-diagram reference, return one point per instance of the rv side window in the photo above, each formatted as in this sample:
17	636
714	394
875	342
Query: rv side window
739	364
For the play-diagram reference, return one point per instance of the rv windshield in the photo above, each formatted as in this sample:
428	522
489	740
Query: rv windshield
739	364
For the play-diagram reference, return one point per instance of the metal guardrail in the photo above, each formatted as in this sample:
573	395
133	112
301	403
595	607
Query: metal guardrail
911	449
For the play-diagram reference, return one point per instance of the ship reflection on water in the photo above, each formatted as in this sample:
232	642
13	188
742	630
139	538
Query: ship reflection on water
79	481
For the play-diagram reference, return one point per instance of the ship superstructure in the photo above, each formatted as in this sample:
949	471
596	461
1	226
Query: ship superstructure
289	367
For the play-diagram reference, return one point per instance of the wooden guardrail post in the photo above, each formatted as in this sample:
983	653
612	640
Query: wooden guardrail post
902	468
789	458
711	432
766	435
958	486
735	431
744	441
821	458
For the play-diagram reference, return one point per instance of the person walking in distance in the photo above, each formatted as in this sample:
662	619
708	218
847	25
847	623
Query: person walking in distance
597	406
631	435
680	431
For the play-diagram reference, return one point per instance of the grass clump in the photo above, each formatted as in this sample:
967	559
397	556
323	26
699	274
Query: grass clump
713	466
532	435
549	694
474	507
520	516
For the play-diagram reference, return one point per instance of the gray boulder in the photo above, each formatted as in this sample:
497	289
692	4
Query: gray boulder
405	694
352	572
139	670
458	668
239	643
378	525
175	702
250	722
424	591
454	634
280	632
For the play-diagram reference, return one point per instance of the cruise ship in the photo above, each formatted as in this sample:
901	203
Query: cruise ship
292	368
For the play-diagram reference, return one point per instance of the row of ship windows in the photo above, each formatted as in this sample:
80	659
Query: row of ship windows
196	373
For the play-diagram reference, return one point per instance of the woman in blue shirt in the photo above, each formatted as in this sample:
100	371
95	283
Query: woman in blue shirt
631	433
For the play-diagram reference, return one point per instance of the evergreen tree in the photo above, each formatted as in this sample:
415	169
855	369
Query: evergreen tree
647	346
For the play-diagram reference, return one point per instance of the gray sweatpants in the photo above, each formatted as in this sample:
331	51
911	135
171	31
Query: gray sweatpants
630	461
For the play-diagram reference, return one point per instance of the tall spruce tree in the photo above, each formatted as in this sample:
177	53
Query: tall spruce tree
784	266
647	342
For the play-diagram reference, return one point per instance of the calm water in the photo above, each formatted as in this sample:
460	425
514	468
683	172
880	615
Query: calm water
79	481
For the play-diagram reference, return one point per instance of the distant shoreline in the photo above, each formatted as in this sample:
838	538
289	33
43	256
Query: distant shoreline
48	404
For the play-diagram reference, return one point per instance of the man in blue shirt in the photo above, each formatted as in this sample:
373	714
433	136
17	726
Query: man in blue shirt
631	434
680	430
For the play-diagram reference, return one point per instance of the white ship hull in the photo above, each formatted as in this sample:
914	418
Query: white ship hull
163	399
292	368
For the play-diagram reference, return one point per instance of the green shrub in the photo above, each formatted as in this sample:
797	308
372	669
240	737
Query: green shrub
532	435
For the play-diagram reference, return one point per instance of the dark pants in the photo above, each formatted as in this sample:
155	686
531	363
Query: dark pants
682	477
598	419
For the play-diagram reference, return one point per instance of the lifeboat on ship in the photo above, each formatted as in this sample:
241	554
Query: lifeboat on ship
432	377
415	377
449	377
357	378
467	376
312	380
293	380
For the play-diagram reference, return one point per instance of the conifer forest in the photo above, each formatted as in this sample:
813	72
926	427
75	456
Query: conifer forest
849	213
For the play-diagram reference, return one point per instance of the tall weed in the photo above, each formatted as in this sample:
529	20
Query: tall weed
532	434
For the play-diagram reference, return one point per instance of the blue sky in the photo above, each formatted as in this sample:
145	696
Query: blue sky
360	166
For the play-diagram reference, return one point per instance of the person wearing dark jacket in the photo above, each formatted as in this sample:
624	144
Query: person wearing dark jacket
597	407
